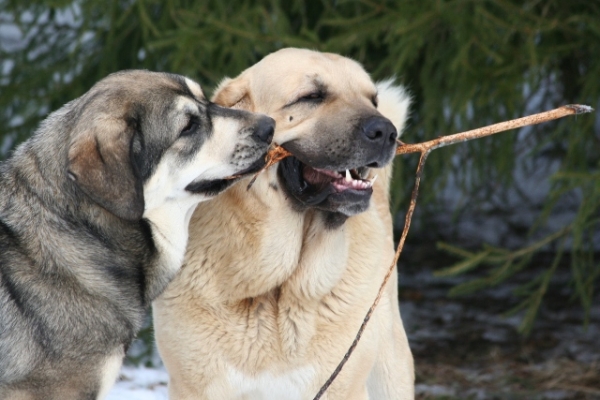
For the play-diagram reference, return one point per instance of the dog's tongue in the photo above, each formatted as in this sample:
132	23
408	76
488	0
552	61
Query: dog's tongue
318	176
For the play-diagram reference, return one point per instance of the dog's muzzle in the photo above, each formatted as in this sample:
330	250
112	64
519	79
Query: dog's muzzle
335	183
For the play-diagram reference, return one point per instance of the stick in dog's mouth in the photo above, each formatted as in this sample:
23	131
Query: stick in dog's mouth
275	154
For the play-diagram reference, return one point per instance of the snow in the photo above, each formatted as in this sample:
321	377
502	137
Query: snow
140	383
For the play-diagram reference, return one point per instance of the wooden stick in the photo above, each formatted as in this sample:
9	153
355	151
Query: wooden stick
278	153
425	148
275	154
491	129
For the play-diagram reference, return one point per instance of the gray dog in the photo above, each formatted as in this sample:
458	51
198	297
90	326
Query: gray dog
94	211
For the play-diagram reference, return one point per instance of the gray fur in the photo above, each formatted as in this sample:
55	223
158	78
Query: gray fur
78	263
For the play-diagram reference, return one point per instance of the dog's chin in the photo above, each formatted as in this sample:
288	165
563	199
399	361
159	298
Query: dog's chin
346	191
212	187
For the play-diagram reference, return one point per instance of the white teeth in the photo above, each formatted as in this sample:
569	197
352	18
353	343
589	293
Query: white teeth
348	176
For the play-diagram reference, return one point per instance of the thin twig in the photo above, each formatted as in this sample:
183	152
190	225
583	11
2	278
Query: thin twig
275	154
491	129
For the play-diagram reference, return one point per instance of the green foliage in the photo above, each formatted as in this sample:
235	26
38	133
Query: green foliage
504	265
467	63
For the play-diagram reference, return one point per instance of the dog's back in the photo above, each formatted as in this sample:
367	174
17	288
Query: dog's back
57	318
15	335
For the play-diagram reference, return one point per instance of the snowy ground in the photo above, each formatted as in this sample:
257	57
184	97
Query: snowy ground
140	384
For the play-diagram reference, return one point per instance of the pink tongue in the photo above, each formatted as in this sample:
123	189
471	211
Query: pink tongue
314	177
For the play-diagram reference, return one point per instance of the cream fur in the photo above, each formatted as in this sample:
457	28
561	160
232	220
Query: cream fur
269	299
110	372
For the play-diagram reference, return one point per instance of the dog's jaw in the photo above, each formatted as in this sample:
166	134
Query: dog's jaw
213	187
339	193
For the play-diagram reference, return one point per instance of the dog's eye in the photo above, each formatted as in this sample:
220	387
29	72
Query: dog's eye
375	101
315	97
191	127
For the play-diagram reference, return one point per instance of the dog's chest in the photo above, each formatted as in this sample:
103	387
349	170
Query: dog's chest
290	384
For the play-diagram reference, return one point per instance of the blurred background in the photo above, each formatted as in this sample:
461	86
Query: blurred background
500	274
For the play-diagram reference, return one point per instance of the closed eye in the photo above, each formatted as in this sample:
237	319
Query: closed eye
316	96
313	98
191	127
375	100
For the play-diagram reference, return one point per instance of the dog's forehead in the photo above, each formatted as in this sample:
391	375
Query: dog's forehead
305	70
122	93
137	85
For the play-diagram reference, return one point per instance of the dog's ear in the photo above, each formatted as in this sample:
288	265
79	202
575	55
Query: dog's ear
101	165
234	93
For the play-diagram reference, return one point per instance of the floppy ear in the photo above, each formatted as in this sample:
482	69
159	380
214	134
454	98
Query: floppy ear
100	164
234	93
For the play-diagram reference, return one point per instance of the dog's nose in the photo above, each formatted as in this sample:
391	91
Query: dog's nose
265	128
378	129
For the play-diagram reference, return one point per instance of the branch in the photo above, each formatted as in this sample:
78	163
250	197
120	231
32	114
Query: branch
275	154
491	129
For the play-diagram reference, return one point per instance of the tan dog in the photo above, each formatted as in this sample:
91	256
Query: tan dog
277	279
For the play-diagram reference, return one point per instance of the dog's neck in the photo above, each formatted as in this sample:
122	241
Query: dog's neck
169	224
271	268
256	259
268	245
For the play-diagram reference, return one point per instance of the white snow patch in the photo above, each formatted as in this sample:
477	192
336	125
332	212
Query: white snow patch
140	383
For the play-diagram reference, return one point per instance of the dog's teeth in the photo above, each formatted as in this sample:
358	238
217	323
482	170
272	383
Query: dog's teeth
348	176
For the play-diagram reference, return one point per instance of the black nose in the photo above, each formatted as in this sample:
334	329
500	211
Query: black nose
379	130
265	128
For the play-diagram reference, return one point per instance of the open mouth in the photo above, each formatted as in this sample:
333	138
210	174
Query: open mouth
349	179
346	191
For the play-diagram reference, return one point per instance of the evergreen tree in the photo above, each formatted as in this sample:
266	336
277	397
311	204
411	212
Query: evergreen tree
467	63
